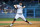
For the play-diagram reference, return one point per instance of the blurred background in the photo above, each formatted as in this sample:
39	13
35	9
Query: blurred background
32	9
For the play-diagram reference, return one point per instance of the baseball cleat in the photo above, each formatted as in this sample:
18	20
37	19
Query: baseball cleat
29	23
11	25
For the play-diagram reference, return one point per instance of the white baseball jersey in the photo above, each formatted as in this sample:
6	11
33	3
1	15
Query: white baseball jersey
20	9
20	13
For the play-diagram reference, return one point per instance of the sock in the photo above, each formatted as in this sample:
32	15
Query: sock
26	21
13	21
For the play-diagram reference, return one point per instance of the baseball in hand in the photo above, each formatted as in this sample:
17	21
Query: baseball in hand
14	5
24	6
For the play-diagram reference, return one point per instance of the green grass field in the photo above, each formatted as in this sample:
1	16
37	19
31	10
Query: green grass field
11	19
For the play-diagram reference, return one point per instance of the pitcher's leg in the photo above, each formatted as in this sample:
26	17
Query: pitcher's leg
13	22
25	19
16	17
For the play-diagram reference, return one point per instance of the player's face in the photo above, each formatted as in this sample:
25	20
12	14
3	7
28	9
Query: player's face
20	3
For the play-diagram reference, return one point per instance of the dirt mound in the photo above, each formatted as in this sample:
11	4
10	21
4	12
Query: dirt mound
22	25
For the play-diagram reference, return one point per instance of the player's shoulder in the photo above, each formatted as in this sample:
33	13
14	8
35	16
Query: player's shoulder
18	5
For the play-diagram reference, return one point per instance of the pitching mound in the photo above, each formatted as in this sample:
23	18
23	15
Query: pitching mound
22	25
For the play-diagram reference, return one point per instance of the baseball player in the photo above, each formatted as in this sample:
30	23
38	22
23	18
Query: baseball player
19	13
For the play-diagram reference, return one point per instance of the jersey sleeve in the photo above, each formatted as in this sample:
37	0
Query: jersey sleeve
17	5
